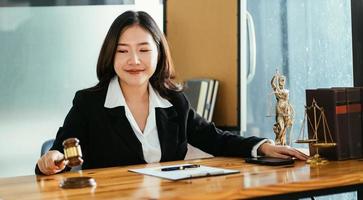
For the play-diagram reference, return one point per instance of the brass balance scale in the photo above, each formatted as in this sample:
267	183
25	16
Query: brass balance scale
319	122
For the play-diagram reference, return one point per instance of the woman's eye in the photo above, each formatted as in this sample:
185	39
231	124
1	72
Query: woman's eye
145	50
122	51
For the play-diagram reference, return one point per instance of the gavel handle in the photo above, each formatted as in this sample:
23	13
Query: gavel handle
59	162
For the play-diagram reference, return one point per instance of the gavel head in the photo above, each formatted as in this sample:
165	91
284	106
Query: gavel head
72	152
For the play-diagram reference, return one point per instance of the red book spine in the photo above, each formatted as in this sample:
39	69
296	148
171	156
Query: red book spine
341	124
354	111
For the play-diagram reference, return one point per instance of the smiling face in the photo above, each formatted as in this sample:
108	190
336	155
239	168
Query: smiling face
136	56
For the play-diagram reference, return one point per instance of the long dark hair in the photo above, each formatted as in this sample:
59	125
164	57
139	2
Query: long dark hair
162	79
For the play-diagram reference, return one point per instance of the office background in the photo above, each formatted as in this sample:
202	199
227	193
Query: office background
49	52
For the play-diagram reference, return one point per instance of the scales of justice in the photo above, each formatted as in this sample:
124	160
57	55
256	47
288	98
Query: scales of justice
285	119
319	127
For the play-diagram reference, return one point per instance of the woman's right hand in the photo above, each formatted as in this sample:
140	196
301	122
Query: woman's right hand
47	165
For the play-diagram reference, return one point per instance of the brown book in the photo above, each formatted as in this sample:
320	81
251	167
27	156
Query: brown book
333	101
354	122
361	105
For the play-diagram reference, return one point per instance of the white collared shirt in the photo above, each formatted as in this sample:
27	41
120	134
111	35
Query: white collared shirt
149	139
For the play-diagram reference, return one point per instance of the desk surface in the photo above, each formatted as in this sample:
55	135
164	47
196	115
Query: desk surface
253	181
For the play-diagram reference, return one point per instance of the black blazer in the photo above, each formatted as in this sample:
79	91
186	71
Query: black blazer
107	139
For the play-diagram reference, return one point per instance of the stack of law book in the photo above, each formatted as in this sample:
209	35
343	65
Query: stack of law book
343	110
202	95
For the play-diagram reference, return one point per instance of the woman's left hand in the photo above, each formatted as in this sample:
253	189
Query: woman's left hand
271	150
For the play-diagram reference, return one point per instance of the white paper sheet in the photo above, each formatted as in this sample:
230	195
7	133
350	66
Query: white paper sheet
184	174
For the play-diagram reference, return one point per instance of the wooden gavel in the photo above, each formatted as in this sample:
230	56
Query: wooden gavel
72	153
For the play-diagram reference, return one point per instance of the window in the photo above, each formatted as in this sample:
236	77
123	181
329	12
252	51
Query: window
310	42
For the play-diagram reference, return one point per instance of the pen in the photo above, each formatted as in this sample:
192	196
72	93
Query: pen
179	167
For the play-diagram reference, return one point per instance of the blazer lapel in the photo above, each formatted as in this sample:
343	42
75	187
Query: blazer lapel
122	127
168	132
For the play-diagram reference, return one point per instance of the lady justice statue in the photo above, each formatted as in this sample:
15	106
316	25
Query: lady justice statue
284	110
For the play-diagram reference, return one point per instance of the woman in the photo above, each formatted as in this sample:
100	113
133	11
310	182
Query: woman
136	113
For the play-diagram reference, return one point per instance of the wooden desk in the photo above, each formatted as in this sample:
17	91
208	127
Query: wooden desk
254	181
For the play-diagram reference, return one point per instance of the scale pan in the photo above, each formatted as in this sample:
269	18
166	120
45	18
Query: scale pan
305	141
324	145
